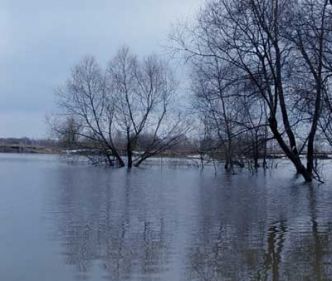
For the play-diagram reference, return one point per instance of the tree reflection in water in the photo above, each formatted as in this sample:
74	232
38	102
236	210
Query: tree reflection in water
171	225
298	246
110	224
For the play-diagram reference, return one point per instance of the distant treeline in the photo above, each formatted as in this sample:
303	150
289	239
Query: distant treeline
27	145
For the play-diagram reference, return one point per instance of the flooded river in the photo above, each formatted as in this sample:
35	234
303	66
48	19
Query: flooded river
63	222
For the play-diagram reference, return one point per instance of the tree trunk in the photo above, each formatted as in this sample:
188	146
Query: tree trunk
130	158
129	150
294	157
139	162
118	158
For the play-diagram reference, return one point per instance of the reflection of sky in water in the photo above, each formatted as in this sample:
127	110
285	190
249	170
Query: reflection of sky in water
63	222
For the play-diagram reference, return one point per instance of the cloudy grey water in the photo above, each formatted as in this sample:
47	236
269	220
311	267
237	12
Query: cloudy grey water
75	222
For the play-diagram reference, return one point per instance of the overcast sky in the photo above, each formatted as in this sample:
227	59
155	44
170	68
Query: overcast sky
40	41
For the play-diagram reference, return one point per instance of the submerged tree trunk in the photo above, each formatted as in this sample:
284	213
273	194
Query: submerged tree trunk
294	157
119	159
130	157
129	150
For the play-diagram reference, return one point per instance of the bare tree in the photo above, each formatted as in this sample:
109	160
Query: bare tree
231	111
256	38
67	131
86	99
143	92
131	98
311	34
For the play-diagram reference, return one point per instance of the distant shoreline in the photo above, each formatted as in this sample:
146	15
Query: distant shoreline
28	149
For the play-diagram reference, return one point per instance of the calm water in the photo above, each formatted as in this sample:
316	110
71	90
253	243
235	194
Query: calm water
64	223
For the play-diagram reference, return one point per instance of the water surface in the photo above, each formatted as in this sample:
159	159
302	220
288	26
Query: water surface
76	222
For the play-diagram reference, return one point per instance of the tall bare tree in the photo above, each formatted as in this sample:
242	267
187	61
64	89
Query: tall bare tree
269	42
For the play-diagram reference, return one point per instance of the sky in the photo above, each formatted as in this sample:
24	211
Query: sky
41	40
